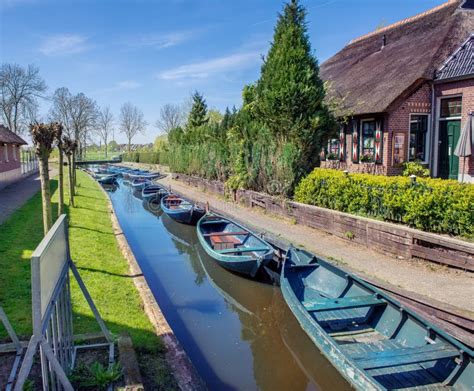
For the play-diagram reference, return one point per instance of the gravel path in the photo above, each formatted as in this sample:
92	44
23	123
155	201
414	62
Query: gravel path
451	286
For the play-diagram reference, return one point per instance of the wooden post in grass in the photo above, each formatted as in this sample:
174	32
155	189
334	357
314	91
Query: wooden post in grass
58	132
68	147
42	136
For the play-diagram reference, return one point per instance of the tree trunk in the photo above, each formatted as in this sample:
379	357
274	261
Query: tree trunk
105	140
129	143
73	173
61	183
45	194
71	180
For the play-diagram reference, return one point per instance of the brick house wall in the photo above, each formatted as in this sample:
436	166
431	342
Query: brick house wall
396	120
13	161
465	88
10	169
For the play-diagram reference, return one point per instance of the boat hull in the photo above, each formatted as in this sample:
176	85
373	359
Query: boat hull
243	264
373	341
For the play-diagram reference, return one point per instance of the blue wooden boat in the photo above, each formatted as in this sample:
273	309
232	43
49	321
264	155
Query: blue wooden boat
234	247
154	192
140	183
374	342
147	175
107	180
181	210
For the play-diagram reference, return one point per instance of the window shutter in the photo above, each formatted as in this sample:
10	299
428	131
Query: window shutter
342	144
378	144
355	141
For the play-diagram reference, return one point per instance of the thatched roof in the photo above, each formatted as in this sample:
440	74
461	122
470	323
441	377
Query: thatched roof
8	137
367	78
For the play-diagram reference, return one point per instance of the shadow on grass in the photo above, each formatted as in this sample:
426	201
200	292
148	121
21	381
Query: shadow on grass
90	229
90	269
19	236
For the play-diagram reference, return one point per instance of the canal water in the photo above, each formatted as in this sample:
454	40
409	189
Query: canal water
239	333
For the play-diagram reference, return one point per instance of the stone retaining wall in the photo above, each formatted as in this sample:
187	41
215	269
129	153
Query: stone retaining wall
385	237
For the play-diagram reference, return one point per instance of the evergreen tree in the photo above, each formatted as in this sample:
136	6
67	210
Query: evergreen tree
198	114
290	94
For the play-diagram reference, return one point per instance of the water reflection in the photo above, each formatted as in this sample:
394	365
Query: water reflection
238	332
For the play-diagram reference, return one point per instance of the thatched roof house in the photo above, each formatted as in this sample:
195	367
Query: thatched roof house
372	71
385	81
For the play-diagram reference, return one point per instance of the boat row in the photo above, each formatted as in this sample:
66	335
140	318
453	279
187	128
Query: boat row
371	338
375	342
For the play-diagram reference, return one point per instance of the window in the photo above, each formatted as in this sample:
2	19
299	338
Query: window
368	141
5	150
451	107
333	149
418	137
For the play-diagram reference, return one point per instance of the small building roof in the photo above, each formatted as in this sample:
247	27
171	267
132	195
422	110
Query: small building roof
8	137
460	64
374	70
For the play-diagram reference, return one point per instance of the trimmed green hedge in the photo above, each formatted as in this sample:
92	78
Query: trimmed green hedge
435	205
146	157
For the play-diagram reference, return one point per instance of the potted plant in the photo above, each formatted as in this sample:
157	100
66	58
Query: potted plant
367	158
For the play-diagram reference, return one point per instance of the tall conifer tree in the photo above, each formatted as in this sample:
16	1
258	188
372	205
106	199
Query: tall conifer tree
290	94
198	114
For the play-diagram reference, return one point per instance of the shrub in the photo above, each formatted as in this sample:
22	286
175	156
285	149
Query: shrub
435	205
415	168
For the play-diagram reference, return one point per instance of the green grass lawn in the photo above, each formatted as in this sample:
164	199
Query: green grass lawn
105	272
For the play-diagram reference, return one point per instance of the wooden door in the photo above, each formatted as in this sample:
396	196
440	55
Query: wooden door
448	162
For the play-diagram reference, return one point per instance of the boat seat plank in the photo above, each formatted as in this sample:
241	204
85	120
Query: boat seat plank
242	250
405	356
304	266
344	303
210	222
229	233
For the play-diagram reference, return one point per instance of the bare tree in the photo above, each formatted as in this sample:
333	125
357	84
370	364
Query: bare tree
58	136
20	89
69	147
60	110
171	116
131	122
104	125
83	111
43	136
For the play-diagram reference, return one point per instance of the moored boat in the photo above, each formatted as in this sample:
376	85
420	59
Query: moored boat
181	210
154	192
107	179
140	183
234	247
146	175
374	342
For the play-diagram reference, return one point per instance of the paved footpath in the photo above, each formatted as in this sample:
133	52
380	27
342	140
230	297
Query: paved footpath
15	195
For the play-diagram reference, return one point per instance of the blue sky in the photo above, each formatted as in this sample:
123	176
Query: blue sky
154	52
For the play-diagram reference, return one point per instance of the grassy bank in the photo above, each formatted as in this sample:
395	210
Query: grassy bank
104	270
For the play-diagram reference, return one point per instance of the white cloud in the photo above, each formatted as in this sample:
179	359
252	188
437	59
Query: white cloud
161	41
63	44
204	69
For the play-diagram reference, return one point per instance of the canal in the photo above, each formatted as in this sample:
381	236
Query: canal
238	333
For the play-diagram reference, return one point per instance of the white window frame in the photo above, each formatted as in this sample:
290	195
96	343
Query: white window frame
5	151
428	137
